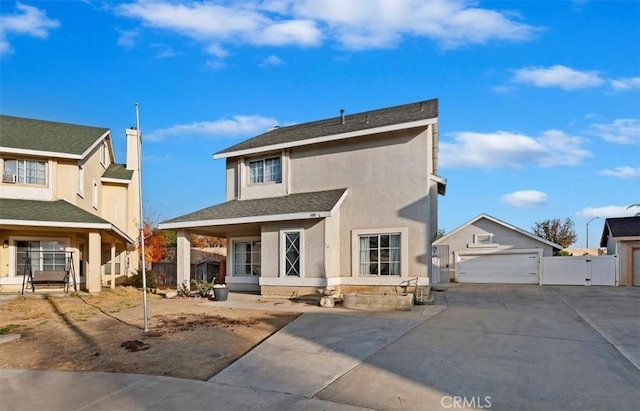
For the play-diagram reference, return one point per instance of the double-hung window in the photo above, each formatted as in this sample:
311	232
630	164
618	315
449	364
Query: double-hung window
380	254
246	257
25	171
40	255
267	170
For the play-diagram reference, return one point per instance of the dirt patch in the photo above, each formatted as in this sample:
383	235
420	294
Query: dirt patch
104	333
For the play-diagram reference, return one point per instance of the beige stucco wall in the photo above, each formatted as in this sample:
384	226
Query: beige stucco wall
387	177
312	244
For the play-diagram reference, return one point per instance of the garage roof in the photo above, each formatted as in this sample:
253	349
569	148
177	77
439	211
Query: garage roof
502	223
620	227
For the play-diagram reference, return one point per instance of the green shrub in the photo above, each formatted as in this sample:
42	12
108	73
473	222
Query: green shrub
136	280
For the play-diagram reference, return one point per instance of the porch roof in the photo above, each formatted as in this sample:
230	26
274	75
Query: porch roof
318	204
60	213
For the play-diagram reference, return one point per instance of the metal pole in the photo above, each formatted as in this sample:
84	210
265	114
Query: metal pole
144	268
588	230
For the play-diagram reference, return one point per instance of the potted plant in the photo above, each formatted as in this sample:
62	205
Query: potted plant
221	292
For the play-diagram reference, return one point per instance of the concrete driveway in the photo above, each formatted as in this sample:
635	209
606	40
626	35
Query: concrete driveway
508	347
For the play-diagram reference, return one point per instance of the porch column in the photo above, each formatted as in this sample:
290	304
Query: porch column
113	265
184	257
94	277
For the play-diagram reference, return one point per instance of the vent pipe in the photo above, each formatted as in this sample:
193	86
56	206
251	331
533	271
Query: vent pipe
342	115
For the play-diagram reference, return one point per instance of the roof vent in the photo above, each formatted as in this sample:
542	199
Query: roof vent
273	128
422	106
367	118
342	115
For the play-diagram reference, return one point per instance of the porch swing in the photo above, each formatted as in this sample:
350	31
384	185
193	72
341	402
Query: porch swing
61	278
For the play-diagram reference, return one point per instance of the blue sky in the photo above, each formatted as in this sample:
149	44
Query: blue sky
539	100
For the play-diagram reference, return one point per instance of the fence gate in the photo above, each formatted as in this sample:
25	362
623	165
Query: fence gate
583	270
440	273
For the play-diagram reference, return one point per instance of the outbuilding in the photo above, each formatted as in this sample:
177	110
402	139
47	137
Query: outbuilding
488	250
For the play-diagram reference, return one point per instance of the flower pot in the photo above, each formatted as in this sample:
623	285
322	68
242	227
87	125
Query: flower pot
221	293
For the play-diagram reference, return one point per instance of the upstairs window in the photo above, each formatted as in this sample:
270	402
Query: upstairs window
25	172
263	171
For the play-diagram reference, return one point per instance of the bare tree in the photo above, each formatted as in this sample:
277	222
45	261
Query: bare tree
635	205
557	231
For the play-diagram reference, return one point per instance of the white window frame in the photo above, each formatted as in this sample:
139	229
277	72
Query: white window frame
104	154
404	250
25	161
95	194
13	249
231	256
81	180
282	252
264	169
479	237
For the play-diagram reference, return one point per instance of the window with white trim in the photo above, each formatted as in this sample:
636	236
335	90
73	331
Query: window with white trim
247	258
95	194
104	151
106	261
291	257
41	255
80	180
380	254
24	171
268	170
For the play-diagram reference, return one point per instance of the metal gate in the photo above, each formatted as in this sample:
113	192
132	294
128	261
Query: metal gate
440	273
583	270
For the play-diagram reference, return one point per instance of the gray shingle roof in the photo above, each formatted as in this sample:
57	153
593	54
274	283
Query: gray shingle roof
41	135
51	211
620	227
293	203
421	110
118	171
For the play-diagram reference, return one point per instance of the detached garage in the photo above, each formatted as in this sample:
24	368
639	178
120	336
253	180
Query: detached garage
488	250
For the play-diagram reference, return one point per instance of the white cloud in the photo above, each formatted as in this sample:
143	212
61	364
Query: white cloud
607	211
215	22
351	24
558	76
28	21
629	83
271	61
621	131
506	149
624	172
525	198
128	38
380	23
225	127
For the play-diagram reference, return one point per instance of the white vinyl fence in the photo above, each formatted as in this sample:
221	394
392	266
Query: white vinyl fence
583	270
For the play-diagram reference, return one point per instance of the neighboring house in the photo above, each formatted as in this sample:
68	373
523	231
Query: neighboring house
348	202
488	250
621	237
65	204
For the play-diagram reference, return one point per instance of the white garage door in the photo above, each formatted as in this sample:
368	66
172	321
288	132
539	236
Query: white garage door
499	268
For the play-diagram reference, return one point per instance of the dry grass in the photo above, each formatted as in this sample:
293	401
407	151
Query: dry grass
74	306
104	333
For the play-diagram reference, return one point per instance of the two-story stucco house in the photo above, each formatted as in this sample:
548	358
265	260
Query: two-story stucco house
65	204
348	202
